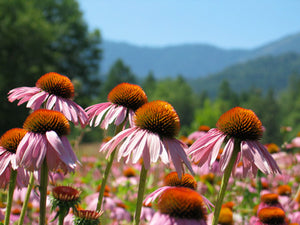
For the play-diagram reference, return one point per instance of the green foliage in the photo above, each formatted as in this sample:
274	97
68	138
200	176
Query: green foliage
39	37
118	73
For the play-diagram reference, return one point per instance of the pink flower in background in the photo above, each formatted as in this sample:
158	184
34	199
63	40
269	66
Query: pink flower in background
178	205
152	137
271	216
236	126
123	100
45	139
202	130
9	142
56	91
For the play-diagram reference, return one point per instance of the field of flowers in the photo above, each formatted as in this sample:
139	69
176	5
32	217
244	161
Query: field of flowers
145	173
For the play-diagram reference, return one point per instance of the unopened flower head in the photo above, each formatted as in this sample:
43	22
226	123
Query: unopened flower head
88	217
46	138
186	180
65	198
56	91
152	137
237	126
123	101
9	142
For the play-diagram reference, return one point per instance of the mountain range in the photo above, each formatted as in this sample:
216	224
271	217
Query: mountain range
189	60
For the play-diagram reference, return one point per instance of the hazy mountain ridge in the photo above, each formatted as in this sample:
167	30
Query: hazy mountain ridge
189	60
263	73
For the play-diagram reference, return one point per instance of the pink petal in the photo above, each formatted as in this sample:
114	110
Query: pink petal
36	100
227	153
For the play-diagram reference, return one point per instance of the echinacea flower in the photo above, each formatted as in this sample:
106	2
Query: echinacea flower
271	216
56	91
89	217
226	216
269	200
123	101
152	137
172	181
181	206
65	198
46	139
9	142
237	126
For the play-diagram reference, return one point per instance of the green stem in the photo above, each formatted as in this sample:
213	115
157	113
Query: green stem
107	170
139	203
26	200
12	185
43	192
61	218
224	182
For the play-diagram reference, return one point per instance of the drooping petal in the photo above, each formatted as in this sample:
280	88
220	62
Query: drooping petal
36	100
227	153
56	143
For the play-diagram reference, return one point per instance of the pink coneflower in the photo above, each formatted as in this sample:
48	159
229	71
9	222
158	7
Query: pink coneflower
8	145
57	91
271	216
46	139
181	206
87	217
268	200
152	137
123	101
237	126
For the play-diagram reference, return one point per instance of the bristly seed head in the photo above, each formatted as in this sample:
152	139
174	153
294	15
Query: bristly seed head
56	84
240	123
181	202
43	120
129	172
186	180
158	117
271	215
65	193
269	198
128	95
11	139
226	216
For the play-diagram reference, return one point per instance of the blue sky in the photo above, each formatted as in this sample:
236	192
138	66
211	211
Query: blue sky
224	23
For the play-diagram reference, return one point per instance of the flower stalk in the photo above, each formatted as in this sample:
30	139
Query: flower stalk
107	170
224	182
12	185
26	200
43	192
141	191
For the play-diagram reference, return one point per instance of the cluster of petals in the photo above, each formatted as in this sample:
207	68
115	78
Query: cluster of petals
253	154
143	143
35	97
7	163
35	147
106	113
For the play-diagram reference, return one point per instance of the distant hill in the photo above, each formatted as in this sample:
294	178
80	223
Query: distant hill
190	60
263	73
